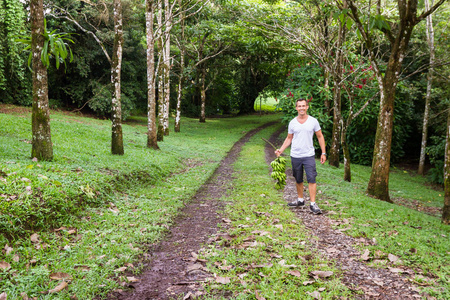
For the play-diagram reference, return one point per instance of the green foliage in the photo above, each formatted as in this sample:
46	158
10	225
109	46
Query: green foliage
306	80
55	45
14	82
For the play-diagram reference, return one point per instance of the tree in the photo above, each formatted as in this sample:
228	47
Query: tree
116	66
152	141
398	35
426	114
446	209
42	147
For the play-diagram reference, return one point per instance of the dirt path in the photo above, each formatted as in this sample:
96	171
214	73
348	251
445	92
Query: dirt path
172	268
336	246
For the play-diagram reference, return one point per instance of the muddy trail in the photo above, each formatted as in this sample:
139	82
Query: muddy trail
173	271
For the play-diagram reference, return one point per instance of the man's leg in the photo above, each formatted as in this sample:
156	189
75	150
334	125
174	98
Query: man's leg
300	190
312	191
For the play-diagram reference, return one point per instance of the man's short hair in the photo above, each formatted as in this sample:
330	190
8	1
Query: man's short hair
301	99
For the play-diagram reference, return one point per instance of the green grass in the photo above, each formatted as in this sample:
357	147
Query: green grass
94	212
265	104
420	240
281	246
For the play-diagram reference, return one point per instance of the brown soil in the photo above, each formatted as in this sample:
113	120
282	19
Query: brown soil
172	270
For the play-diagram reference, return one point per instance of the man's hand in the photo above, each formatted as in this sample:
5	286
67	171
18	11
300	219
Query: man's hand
323	158
278	152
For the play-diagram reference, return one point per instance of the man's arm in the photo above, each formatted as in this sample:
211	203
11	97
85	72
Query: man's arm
321	140
286	144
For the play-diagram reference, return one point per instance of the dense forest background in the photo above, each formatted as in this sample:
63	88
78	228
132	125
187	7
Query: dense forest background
235	51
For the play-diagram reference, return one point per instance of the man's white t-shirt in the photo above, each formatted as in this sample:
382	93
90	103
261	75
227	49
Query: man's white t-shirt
302	142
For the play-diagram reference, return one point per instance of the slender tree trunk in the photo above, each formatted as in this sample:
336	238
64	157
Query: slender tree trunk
347	169
446	209
161	52
42	147
426	114
117	137
333	157
151	96
203	95
181	78
167	65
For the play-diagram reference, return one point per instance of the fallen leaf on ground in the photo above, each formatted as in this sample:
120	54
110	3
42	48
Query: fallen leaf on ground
34	238
60	276
295	273
322	274
223	280
392	257
332	250
3	296
308	282
4	265
24	296
258	296
120	269
396	270
268	265
365	255
132	279
57	289
315	295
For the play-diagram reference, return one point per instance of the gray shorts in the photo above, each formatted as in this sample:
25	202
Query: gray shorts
306	163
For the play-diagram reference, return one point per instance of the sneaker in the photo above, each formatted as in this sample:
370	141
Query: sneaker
315	209
296	203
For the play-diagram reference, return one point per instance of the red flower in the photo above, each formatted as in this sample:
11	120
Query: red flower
359	86
351	68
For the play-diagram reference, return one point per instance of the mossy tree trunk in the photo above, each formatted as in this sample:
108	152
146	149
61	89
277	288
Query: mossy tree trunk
446	209
203	95
426	114
181	78
333	157
116	114
160	42
42	147
167	63
151	95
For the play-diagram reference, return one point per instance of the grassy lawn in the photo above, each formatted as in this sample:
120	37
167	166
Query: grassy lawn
88	215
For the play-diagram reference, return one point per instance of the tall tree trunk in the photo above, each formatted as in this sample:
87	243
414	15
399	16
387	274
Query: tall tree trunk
446	209
378	185
333	157
151	96
426	114
203	95
117	137
181	78
167	64
42	147
347	169
161	52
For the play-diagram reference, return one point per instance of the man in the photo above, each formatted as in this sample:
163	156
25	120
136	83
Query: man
300	136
